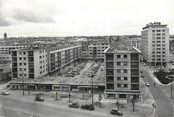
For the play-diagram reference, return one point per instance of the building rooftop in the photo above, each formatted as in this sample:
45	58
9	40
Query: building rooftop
61	81
155	24
122	48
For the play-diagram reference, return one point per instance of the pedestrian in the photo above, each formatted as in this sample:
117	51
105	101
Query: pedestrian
154	84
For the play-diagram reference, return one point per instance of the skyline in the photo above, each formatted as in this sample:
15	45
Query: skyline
27	18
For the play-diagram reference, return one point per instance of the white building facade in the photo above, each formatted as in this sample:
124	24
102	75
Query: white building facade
155	44
34	63
122	73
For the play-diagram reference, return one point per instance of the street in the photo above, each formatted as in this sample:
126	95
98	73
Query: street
163	106
13	107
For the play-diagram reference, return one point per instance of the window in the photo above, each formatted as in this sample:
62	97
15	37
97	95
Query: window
125	56
118	85
24	53
118	63
20	63
118	70
20	58
24	58
24	63
125	63
125	85
118	78
125	71
153	30
125	78
40	57
118	56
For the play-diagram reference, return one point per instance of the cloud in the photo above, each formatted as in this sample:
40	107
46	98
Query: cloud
28	16
3	21
21	11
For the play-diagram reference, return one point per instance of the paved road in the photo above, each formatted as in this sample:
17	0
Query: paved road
163	106
13	107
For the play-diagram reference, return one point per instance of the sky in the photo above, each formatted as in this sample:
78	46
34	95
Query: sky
26	18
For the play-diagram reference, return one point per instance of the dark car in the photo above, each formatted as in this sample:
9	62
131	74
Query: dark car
116	112
74	105
88	107
39	99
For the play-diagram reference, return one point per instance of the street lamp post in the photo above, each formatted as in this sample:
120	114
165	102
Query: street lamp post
171	88
56	95
69	95
92	93
23	83
83	94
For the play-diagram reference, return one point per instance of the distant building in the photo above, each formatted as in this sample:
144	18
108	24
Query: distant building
155	44
96	50
5	35
122	72
134	42
5	51
37	62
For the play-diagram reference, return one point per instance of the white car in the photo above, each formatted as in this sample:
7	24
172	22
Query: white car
147	84
5	93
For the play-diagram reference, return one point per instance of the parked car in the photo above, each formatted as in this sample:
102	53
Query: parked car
39	99
147	84
115	111
88	107
74	105
5	93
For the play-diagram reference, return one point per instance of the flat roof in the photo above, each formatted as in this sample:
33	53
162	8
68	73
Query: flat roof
60	81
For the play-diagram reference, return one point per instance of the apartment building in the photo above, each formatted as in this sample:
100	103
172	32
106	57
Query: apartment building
5	51
96	50
122	72
29	63
58	58
155	44
36	62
